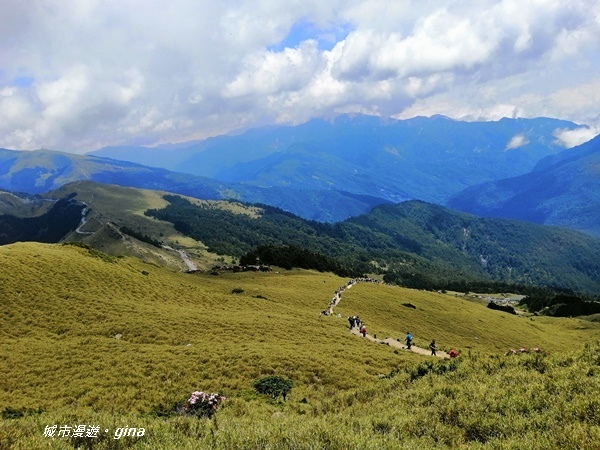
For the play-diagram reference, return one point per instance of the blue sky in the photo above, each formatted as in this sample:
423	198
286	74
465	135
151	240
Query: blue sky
303	30
77	75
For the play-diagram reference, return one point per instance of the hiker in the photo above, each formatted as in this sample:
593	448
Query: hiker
432	347
408	339
351	321
363	330
453	353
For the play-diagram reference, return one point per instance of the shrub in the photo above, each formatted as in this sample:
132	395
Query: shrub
439	368
202	404
506	308
16	413
274	386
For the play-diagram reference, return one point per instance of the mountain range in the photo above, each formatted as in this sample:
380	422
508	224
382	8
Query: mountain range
413	243
512	168
36	172
562	190
423	158
331	170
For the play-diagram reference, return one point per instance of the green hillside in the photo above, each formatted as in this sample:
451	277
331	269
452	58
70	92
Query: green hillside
115	224
415	244
92	339
23	205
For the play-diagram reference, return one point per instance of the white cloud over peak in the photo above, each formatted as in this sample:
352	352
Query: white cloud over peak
76	75
518	140
573	138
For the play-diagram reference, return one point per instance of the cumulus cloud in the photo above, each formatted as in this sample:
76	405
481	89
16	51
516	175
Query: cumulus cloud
573	138
79	75
518	140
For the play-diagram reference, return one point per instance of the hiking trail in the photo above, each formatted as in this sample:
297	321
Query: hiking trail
395	343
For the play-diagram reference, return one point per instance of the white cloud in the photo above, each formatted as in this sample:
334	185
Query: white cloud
270	72
105	72
518	140
573	138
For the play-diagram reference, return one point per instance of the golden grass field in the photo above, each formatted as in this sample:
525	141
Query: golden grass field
97	339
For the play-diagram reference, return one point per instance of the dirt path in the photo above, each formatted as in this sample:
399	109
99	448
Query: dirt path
83	220
184	257
387	341
397	344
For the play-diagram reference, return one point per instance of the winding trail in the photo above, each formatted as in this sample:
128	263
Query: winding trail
387	341
83	220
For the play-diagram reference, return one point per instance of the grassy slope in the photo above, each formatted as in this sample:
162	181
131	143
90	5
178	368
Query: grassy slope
61	307
16	206
126	206
456	322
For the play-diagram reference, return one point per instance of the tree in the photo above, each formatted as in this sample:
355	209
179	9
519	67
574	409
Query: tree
274	386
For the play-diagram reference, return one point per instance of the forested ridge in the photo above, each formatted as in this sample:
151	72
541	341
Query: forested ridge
414	244
61	219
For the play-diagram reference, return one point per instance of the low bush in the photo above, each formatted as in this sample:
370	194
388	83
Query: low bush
274	386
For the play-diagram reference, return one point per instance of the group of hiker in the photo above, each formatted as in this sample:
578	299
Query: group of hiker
356	322
409	342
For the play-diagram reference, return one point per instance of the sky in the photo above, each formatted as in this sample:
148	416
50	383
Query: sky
77	75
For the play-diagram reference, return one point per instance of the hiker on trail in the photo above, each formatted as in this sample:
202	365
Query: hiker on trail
408	339
453	353
363	331
432	347
351	321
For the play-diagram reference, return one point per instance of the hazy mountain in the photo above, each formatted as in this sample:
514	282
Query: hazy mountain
563	190
326	171
42	170
206	157
420	158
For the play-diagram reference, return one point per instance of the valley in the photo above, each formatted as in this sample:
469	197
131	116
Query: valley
300	225
121	296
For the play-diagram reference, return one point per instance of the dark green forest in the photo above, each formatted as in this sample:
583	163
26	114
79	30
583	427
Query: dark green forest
61	219
414	244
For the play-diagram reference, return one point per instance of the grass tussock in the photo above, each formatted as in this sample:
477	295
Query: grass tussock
116	343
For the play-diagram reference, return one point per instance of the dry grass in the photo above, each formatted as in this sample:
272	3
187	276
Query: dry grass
63	307
99	340
459	323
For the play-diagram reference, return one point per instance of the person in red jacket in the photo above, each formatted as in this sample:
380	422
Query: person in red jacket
363	330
